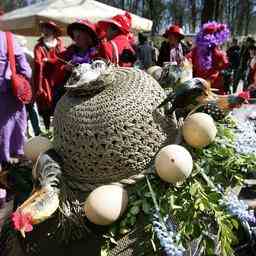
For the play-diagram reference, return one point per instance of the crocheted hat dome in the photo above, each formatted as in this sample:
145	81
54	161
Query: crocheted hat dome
113	133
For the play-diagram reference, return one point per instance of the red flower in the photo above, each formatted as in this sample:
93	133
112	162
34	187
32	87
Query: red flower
245	95
210	29
221	27
22	221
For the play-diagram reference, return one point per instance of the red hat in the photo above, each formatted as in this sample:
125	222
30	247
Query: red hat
101	32
1	12
83	25
174	29
123	22
51	24
210	28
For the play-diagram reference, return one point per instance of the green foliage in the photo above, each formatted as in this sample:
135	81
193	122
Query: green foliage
194	205
9	5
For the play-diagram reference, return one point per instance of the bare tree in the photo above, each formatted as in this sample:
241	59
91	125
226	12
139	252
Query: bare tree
178	8
222	7
248	15
240	21
193	15
154	10
216	9
208	11
122	4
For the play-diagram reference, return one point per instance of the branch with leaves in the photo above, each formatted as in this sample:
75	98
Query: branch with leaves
201	207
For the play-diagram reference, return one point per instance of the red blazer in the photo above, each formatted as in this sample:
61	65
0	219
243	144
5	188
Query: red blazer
220	62
44	73
118	51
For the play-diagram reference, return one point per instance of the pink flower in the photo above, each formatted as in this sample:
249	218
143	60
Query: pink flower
22	221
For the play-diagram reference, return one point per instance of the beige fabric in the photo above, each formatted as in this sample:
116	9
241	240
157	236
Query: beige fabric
25	20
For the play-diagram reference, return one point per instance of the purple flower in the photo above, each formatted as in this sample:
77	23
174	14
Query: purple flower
168	238
238	208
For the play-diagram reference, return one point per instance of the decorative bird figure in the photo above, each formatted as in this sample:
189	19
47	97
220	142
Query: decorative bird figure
44	200
223	104
189	94
229	102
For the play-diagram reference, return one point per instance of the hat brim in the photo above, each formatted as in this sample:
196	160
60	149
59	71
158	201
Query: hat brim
166	34
57	30
105	23
80	26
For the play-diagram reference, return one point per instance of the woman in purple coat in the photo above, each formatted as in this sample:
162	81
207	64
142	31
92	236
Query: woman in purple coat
13	120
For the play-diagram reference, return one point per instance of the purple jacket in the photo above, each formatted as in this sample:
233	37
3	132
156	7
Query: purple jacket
21	62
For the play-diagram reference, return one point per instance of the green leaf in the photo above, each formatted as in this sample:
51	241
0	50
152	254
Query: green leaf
135	210
146	207
235	223
201	207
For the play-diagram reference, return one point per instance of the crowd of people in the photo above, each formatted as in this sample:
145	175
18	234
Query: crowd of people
49	68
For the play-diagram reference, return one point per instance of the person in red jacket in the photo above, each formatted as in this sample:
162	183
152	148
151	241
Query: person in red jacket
116	46
207	57
46	57
82	50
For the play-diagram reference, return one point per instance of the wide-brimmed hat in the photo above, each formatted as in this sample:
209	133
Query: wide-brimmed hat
174	29
83	24
51	24
123	22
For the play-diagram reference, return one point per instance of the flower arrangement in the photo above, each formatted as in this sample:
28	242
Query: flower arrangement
201	206
212	34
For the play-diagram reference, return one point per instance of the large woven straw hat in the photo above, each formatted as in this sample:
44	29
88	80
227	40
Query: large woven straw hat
110	129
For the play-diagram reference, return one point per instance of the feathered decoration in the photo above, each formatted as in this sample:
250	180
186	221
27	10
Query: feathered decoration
223	104
229	102
44	201
189	94
212	34
197	93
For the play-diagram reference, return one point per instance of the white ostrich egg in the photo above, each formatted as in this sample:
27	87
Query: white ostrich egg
35	146
106	204
199	130
174	164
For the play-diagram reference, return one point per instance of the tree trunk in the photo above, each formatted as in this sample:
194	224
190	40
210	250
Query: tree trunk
228	13
143	8
178	12
234	15
222	8
208	11
123	4
249	7
240	18
135	6
151	11
154	10
193	15
217	10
